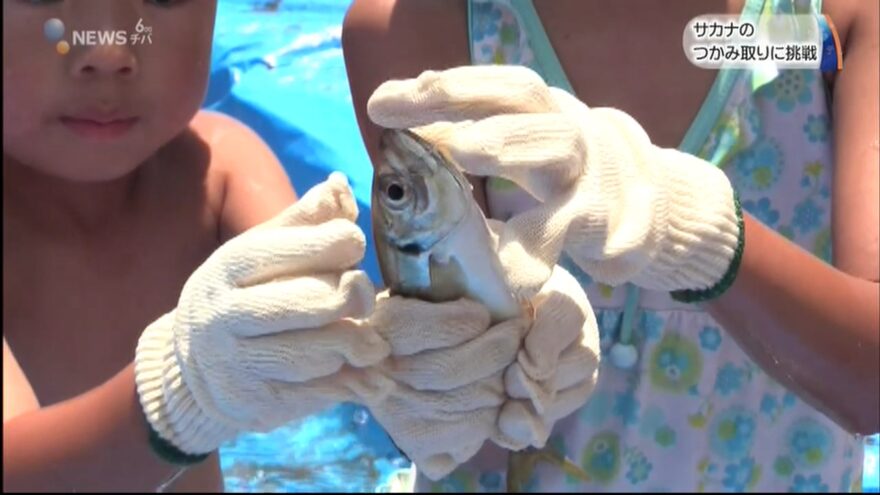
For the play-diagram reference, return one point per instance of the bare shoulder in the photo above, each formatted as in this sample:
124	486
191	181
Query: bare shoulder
856	117
851	16
379	21
247	181
396	39
18	395
233	144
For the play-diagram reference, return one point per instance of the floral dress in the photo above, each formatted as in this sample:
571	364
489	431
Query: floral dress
695	413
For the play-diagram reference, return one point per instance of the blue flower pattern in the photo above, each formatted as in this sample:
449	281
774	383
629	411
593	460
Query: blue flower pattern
770	406
810	443
653	326
737	475
762	210
790	89
759	166
488	17
811	484
807	216
710	338
729	379
816	128
626	407
639	470
732	433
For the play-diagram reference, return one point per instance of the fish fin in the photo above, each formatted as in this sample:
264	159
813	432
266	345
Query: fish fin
412	275
528	309
561	461
447	279
521	465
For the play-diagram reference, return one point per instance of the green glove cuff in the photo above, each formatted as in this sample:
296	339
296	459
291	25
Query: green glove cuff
169	452
696	296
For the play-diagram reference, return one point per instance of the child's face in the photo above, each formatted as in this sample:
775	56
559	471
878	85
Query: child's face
96	112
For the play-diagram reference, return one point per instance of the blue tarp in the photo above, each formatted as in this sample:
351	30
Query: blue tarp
281	72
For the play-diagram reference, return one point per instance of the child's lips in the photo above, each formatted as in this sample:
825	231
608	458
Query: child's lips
98	127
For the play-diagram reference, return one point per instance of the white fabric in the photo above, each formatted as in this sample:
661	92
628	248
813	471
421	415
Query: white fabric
460	382
556	367
448	366
267	330
624	209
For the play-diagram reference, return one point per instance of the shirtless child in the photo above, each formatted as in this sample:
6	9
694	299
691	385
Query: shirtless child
116	188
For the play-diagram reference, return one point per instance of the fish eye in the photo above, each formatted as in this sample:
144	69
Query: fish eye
394	191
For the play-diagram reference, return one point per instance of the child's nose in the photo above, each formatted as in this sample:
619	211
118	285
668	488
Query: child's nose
106	60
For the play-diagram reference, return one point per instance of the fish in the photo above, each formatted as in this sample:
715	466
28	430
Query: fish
434	243
432	240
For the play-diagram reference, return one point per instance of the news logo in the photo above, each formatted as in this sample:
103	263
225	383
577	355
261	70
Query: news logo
54	31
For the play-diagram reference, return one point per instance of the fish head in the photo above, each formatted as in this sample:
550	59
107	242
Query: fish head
419	195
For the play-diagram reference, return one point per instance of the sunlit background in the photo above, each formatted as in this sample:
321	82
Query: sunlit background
278	67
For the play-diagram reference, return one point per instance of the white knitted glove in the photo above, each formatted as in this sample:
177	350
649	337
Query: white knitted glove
556	368
264	331
461	382
448	367
624	209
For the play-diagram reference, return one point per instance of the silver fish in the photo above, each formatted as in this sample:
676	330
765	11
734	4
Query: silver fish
432	240
433	243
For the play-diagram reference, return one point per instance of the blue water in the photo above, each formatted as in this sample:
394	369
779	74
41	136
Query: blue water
281	72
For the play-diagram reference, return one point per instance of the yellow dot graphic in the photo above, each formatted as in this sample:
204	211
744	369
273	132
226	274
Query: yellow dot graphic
62	47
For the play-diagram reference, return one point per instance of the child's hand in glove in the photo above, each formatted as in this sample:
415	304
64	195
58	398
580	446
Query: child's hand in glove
624	209
460	381
266	331
447	364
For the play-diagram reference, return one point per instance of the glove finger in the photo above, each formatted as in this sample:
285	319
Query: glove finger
448	405
520	386
576	364
449	368
520	422
265	255
411	325
325	201
301	355
298	400
563	315
299	303
438	466
569	400
461	93
421	439
543	153
531	242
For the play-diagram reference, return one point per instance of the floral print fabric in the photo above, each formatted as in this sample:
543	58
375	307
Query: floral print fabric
696	413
